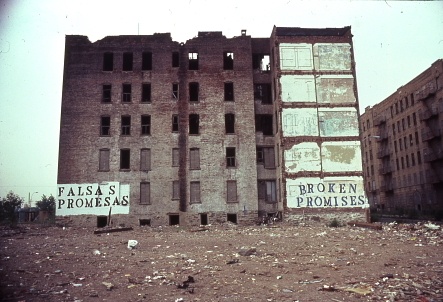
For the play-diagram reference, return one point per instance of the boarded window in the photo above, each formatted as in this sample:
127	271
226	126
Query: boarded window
194	124
175	123
145	193
127	61
175	157
175	189
175	59
147	60
105	125
230	123
193	61
108	61
194	159
267	190
106	95
195	192
175	91
126	93
126	125
193	92
229	91
103	161
228	60
146	125
145	159
262	92
263	123
125	159
231	193
230	157
146	92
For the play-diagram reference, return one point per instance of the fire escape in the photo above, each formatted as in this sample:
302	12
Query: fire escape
384	156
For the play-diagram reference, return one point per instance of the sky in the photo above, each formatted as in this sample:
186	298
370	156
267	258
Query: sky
393	41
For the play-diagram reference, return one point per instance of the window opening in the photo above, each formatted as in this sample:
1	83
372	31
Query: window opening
108	61
126	95
266	156
194	159
261	62
204	219
262	92
193	61
175	157
175	123
175	59
230	123
267	190
103	161
146	125
230	157
105	125
125	159
175	91
195	192
126	125
174	219
229	91
175	190
145	193
146	92
228	60
147	60
106	93
194	124
145	222
231	191
127	61
263	123
231	218
145	159
193	92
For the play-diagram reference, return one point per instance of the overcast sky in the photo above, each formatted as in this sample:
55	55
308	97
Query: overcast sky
393	42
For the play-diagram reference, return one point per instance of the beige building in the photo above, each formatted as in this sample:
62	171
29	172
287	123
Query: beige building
403	148
156	132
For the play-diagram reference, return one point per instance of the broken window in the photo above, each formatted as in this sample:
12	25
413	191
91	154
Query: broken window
147	60
193	92
262	92
146	93
103	161
263	123
108	61
106	95
125	159
229	91
231	218
228	60
126	125
105	125
266	156
195	192
261	62
127	61
194	159
175	91
267	190
231	191
175	123
145	193
145	159
194	124
229	123
126	93
230	157
175	157
175	189
146	124
193	60
175	59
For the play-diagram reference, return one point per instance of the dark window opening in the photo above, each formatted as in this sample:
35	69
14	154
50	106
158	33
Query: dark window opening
175	123
146	93
105	125
126	125
193	92
144	222
195	192
193	61
175	59
174	219
204	219
228	60
263	123
261	62
106	93
262	92
145	193
126	94
266	156
230	157
194	124
230	123
146	125
125	159
127	61
175	91
147	60
231	218
229	91
108	61
267	190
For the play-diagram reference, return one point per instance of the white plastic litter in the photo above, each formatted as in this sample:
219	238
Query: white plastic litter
132	244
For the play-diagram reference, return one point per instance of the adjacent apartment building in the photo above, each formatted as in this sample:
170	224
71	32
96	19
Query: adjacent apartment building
157	132
403	146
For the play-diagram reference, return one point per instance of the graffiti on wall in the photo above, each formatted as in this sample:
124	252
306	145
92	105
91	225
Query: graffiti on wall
300	122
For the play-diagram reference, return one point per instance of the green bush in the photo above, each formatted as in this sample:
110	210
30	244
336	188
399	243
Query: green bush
9	206
334	223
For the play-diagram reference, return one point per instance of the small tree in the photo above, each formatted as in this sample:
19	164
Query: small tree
47	204
9	206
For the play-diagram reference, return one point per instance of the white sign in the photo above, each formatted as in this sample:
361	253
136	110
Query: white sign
92	199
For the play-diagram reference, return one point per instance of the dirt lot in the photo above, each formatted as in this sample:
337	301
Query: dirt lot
281	262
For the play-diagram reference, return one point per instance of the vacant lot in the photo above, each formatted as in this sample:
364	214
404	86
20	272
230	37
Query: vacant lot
281	262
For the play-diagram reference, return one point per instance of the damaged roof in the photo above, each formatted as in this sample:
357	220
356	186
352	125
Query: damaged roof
298	31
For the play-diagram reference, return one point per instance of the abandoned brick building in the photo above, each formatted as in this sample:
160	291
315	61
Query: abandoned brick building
157	132
403	147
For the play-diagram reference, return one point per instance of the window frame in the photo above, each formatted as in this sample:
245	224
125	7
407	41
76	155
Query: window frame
125	164
105	130
145	125
145	186
231	161
104	157
125	129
